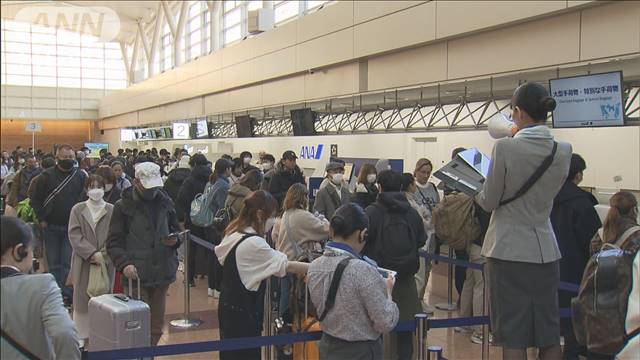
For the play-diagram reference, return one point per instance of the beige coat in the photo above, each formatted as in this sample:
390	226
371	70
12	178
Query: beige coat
85	241
306	229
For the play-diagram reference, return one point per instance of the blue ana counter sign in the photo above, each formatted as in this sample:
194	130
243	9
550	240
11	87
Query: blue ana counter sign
311	152
591	100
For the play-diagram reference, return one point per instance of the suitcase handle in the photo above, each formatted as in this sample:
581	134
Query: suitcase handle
131	288
121	297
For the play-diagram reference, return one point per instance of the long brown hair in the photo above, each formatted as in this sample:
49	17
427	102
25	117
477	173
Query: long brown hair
248	216
365	170
623	205
296	197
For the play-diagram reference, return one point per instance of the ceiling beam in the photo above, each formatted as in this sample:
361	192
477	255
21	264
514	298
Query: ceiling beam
125	58
179	37
168	15
143	37
155	40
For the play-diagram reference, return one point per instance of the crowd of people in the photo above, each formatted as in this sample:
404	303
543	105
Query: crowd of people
359	248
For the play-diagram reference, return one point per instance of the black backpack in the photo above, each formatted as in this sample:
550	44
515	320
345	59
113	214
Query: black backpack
396	245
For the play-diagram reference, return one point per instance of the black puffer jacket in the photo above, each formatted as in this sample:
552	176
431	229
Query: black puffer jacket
173	184
282	180
135	233
191	187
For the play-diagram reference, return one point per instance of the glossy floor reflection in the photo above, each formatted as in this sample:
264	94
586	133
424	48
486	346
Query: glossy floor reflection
455	345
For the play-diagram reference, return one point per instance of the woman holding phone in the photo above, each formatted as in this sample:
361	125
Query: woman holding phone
526	173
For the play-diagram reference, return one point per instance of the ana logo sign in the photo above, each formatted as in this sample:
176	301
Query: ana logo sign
101	22
311	152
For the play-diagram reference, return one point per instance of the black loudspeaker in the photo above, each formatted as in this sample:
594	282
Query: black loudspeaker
303	122
245	125
101	132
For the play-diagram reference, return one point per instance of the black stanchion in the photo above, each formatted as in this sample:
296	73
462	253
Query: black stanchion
186	322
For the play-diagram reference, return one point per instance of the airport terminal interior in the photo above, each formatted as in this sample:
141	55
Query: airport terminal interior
455	102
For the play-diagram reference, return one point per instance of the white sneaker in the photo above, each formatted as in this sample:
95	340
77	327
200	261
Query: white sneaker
462	329
213	293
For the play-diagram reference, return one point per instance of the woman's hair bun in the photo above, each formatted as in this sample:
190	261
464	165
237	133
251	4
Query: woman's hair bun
548	103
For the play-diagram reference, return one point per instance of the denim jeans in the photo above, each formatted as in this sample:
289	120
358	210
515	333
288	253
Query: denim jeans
58	253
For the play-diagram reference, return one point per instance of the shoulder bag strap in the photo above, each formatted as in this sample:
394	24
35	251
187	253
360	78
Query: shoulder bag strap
23	350
622	240
59	188
333	288
535	177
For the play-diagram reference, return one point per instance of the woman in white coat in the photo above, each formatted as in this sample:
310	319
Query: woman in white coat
88	229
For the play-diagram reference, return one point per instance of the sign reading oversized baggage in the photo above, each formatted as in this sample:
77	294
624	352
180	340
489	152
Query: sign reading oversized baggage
117	321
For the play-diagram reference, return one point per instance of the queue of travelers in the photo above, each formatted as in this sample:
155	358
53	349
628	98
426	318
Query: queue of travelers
359	248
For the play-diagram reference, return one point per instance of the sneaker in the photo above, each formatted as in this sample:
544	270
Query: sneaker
462	329
213	293
476	338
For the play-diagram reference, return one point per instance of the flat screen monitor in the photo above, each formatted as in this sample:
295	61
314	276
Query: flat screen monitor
168	134
588	101
95	148
127	135
181	130
202	129
477	160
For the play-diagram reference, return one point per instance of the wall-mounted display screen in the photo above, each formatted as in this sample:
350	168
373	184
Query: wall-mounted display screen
586	101
127	135
180	130
95	149
202	129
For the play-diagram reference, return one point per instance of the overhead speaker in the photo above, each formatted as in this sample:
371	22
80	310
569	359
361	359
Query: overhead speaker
303	122
245	126
101	132
500	126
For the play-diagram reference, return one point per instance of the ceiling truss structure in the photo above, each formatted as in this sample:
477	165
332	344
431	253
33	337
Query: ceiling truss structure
420	117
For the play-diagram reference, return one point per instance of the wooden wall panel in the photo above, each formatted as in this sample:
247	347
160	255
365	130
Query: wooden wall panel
73	132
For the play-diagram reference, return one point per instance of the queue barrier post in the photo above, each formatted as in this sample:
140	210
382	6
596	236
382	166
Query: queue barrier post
449	305
421	335
485	312
186	322
434	353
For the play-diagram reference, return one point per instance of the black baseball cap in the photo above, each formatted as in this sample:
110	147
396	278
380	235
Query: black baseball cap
290	155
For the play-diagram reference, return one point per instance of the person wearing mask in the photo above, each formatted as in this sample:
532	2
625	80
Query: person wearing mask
286	174
362	309
393	221
236	171
575	222
111	193
191	187
33	314
140	242
331	197
248	262
57	190
5	165
88	229
327	180
520	247
22	180
246	157
296	232
220	186
267	162
122	181
174	182
250	182
366	190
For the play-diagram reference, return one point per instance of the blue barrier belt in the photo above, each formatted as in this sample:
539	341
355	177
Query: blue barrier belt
203	243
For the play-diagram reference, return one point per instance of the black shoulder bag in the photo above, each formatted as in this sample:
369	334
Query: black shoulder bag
333	288
535	177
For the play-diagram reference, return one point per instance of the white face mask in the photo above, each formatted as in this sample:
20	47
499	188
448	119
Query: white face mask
371	178
388	167
95	194
123	175
337	178
21	161
267	166
247	160
269	224
108	187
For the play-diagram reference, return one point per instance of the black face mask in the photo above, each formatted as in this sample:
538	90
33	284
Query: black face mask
149	194
66	164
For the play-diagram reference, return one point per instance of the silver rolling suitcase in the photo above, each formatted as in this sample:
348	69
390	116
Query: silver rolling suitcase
117	321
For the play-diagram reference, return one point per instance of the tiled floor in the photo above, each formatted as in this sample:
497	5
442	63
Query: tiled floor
455	345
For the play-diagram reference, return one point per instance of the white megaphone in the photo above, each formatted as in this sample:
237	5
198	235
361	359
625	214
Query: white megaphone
500	126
